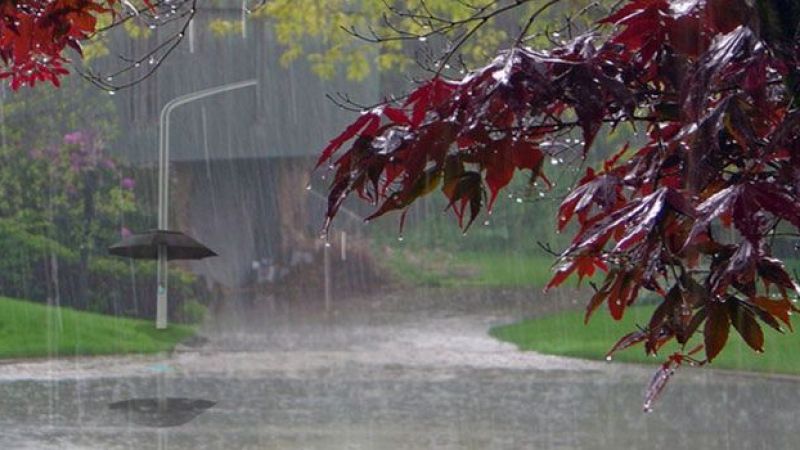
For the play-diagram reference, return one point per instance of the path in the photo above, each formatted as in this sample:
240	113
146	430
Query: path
403	372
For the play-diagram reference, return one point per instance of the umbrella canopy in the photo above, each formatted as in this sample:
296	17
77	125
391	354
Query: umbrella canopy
145	246
164	412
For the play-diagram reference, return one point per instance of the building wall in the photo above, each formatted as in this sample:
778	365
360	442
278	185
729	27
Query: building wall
288	114
240	161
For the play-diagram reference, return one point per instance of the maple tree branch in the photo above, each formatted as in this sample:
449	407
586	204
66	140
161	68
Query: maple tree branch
445	27
152	59
532	19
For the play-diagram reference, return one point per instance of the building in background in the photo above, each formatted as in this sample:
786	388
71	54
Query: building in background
240	161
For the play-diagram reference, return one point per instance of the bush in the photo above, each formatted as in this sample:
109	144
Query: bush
115	286
128	288
193	312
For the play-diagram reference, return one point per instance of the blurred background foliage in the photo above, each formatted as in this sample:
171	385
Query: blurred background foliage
326	33
64	199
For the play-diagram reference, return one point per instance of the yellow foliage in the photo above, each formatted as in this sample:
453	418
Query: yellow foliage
222	27
94	49
322	31
136	31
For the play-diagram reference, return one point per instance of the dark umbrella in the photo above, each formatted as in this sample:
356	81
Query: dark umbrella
145	246
165	412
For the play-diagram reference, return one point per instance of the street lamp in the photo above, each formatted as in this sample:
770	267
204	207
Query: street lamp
161	243
163	184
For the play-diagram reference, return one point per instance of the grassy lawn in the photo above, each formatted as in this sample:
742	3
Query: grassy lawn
448	269
564	334
34	330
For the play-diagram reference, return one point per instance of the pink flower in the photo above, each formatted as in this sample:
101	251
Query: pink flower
75	138
125	232
128	183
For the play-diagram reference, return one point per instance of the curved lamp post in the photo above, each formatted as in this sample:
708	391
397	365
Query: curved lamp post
163	184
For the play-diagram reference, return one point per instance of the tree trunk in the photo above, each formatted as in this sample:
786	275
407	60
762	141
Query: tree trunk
292	178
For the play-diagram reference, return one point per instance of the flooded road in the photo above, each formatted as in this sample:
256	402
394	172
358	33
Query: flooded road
406	371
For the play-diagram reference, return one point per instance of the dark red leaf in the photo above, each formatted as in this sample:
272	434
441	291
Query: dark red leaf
726	15
396	115
665	308
716	330
366	124
621	294
641	219
466	190
499	170
602	191
585	266
744	322
781	308
720	203
597	299
694	324
772	270
659	381
627	341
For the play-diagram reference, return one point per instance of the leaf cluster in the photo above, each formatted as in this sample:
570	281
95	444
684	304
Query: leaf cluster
37	35
688	214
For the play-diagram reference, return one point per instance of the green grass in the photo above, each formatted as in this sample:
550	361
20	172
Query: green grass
29	330
450	269
564	334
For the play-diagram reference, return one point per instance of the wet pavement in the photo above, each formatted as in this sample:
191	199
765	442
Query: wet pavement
407	370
